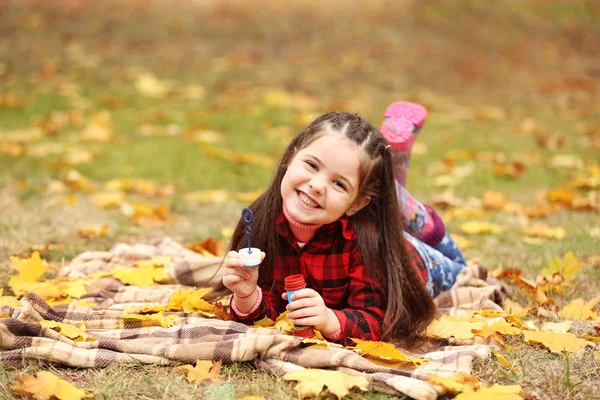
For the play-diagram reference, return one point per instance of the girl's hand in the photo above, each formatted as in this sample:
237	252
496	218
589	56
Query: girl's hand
240	280
309	309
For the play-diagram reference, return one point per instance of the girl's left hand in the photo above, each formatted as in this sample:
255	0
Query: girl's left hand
309	309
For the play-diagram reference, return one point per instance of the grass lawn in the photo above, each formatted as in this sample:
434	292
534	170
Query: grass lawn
200	96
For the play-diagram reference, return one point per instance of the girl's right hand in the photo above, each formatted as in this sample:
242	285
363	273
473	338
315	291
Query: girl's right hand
241	281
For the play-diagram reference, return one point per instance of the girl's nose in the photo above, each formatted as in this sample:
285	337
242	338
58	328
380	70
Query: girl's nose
317	184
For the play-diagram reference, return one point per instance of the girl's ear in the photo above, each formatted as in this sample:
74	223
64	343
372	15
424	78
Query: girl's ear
358	205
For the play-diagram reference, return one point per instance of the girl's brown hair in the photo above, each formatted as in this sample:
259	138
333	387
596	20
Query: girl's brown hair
378	225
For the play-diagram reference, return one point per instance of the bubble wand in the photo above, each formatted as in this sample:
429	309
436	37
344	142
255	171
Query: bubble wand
250	255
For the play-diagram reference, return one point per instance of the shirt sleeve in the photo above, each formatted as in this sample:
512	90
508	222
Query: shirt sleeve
270	305
366	306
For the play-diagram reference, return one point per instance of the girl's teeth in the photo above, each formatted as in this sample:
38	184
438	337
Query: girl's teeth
307	201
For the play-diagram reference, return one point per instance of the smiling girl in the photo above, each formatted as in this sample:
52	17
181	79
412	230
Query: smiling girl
332	213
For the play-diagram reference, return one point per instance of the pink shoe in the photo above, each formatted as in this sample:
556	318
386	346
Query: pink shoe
402	120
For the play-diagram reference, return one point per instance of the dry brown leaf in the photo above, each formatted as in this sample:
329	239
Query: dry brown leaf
514	170
210	247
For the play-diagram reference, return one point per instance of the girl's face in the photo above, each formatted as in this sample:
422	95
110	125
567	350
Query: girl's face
321	182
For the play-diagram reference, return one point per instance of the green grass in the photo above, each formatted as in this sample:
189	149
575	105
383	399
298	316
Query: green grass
454	57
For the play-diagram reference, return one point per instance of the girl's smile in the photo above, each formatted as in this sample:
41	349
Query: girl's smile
321	182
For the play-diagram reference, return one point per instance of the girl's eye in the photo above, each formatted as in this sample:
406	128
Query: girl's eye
311	164
340	185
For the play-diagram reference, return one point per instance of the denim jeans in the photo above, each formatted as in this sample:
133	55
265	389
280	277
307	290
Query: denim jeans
443	262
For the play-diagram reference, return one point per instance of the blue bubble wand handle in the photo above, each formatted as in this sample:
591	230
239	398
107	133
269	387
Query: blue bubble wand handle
248	217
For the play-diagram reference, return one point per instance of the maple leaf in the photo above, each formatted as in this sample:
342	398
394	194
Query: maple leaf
480	228
189	300
76	333
493	200
209	247
569	266
221	312
455	383
311	382
266	322
46	385
557	327
147	84
446	327
146	276
384	351
204	371
544	231
514	308
108	199
321	343
91	231
557	342
194	301
29	270
158	319
503	361
496	392
579	310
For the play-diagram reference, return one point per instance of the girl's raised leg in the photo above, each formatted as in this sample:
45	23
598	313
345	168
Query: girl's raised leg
403	120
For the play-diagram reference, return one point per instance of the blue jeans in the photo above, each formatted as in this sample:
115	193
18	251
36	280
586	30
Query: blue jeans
443	262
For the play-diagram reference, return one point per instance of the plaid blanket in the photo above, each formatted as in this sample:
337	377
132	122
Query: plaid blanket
127	340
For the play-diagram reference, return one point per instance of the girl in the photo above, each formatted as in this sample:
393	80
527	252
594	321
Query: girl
331	213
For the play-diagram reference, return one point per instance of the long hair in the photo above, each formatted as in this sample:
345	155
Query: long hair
378	225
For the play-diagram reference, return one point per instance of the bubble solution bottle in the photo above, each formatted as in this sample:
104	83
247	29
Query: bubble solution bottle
292	284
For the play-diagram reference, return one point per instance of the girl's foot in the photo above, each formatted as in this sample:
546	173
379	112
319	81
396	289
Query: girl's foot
403	120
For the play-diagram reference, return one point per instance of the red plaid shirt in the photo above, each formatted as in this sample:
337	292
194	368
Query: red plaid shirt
331	264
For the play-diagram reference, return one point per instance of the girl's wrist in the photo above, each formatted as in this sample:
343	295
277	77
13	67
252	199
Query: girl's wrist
245	303
332	324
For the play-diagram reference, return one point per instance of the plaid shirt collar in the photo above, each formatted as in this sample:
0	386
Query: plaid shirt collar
325	234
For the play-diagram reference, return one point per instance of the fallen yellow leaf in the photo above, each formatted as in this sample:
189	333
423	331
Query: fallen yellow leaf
311	382
384	351
93	231
579	310
204	371
46	385
496	392
28	270
544	231
455	383
569	266
76	333
556	327
158	319
446	327
556	342
480	228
